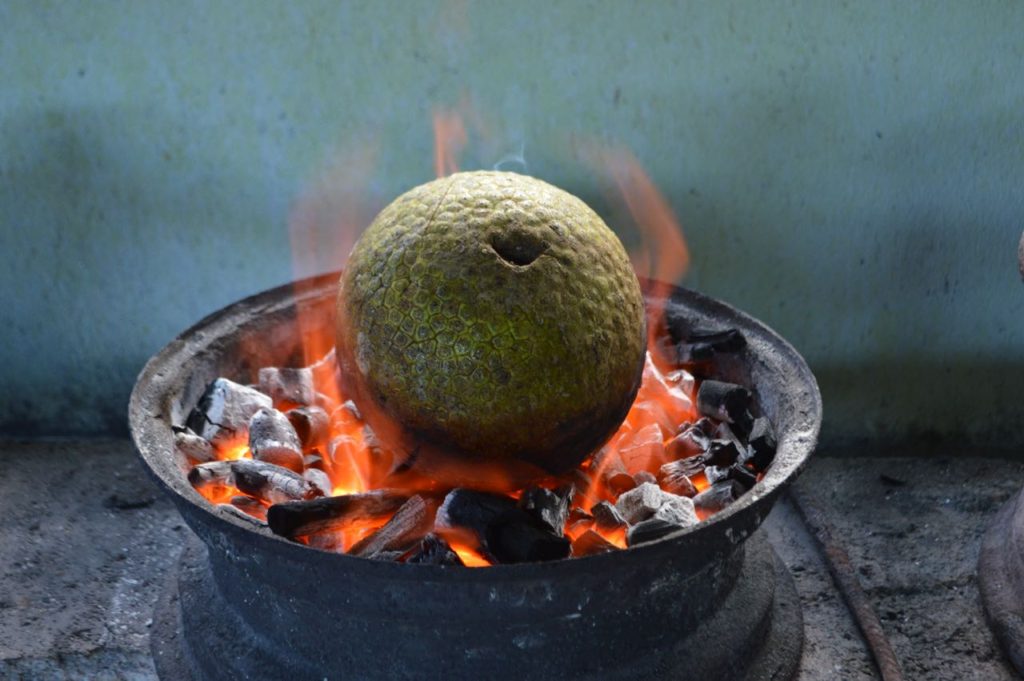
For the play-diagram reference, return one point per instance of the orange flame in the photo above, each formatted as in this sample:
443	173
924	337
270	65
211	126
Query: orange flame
450	139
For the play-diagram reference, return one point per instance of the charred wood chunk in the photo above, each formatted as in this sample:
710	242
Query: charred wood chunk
293	519
644	476
315	459
762	444
673	478
242	513
327	540
222	414
409	523
590	543
310	424
504	531
320	480
214	476
608	468
273	439
721	453
650	530
195	448
251	507
679	511
691	441
271	483
640	503
433	550
701	346
715	474
516	540
579	521
718	496
606	516
288	386
549	508
724	401
743	475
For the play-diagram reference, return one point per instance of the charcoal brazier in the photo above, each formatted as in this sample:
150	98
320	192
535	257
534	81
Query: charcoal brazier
709	602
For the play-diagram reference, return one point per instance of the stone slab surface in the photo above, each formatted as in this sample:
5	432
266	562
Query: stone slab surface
86	540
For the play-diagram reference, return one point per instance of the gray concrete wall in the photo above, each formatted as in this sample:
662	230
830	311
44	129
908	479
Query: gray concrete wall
850	173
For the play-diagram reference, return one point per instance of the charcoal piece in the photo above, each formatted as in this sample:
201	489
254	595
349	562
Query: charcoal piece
329	540
675	481
475	511
272	439
718	496
506	533
328	514
590	543
409	523
271	483
320	480
692	441
644	476
387	555
650	530
640	503
517	540
310	424
701	346
743	475
288	386
251	507
325	402
721	453
222	414
723	401
677	510
715	474
195	448
762	444
433	550
212	476
607	464
606	516
579	521
315	459
549	508
243	514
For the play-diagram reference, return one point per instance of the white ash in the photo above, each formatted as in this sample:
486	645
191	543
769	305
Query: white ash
273	439
288	385
222	415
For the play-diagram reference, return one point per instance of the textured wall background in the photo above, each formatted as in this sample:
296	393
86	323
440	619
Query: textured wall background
849	173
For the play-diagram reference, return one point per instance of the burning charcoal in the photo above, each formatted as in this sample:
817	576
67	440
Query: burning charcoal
212	476
673	473
644	476
643	450
590	543
407	525
314	460
273	439
517	541
724	401
434	550
743	475
288	386
327	541
762	444
726	433
704	345
690	442
194	447
319	479
242	513
716	474
609	467
297	518
579	521
718	496
310	424
649	530
505	531
706	426
677	510
721	453
673	480
251	507
222	414
271	483
346	418
606	516
640	503
549	508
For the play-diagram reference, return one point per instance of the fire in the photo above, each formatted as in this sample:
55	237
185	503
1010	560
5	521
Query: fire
324	226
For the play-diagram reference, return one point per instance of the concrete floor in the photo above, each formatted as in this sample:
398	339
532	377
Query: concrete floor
86	541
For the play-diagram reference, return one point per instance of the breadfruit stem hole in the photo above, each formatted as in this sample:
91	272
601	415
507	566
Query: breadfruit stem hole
518	248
